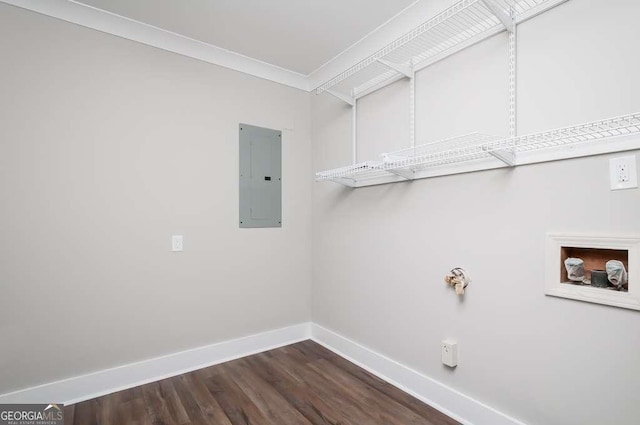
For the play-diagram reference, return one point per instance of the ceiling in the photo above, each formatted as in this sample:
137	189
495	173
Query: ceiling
298	35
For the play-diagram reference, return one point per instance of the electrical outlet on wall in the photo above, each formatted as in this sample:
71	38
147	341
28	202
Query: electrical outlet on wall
623	173
449	350
176	243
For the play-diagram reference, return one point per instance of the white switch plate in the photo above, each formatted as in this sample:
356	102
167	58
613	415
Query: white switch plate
449	350
176	243
623	172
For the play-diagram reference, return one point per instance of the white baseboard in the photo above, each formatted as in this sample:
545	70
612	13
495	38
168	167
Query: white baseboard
85	387
453	403
449	401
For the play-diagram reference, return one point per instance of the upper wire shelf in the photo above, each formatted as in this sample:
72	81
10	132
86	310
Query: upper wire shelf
468	147
408	163
463	24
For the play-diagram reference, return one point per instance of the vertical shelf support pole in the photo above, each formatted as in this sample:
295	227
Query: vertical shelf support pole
509	22
513	46
410	73
354	128
412	107
351	101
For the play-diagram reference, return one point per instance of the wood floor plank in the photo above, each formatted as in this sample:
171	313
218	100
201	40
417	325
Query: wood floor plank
139	412
264	396
125	413
346	407
189	403
299	384
296	391
209	406
69	413
263	363
237	406
174	404
85	413
106	409
303	351
156	405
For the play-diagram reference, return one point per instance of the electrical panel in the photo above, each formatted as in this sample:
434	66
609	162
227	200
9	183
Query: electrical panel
260	177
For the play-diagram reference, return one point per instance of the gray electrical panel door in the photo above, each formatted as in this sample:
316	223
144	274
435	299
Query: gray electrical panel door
260	177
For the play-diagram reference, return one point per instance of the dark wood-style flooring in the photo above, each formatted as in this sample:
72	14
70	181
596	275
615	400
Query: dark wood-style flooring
300	384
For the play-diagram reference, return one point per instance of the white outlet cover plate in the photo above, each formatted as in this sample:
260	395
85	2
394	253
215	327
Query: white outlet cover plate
449	350
631	170
176	243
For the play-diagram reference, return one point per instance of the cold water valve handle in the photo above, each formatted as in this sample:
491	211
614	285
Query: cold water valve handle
459	279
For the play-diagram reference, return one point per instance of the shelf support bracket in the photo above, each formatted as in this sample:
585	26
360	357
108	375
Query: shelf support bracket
349	100
404	70
505	156
406	174
345	181
501	14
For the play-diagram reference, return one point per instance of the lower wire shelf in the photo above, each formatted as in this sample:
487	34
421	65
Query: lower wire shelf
359	171
475	152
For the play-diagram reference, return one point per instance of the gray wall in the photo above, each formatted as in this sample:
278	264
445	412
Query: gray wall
380	253
107	148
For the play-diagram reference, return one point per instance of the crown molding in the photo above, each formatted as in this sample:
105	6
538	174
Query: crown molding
120	26
110	23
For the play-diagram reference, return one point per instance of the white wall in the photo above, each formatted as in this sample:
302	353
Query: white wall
108	147
380	253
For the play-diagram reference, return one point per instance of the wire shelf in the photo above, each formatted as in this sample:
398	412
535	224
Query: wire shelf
467	147
460	25
359	171
597	130
475	146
